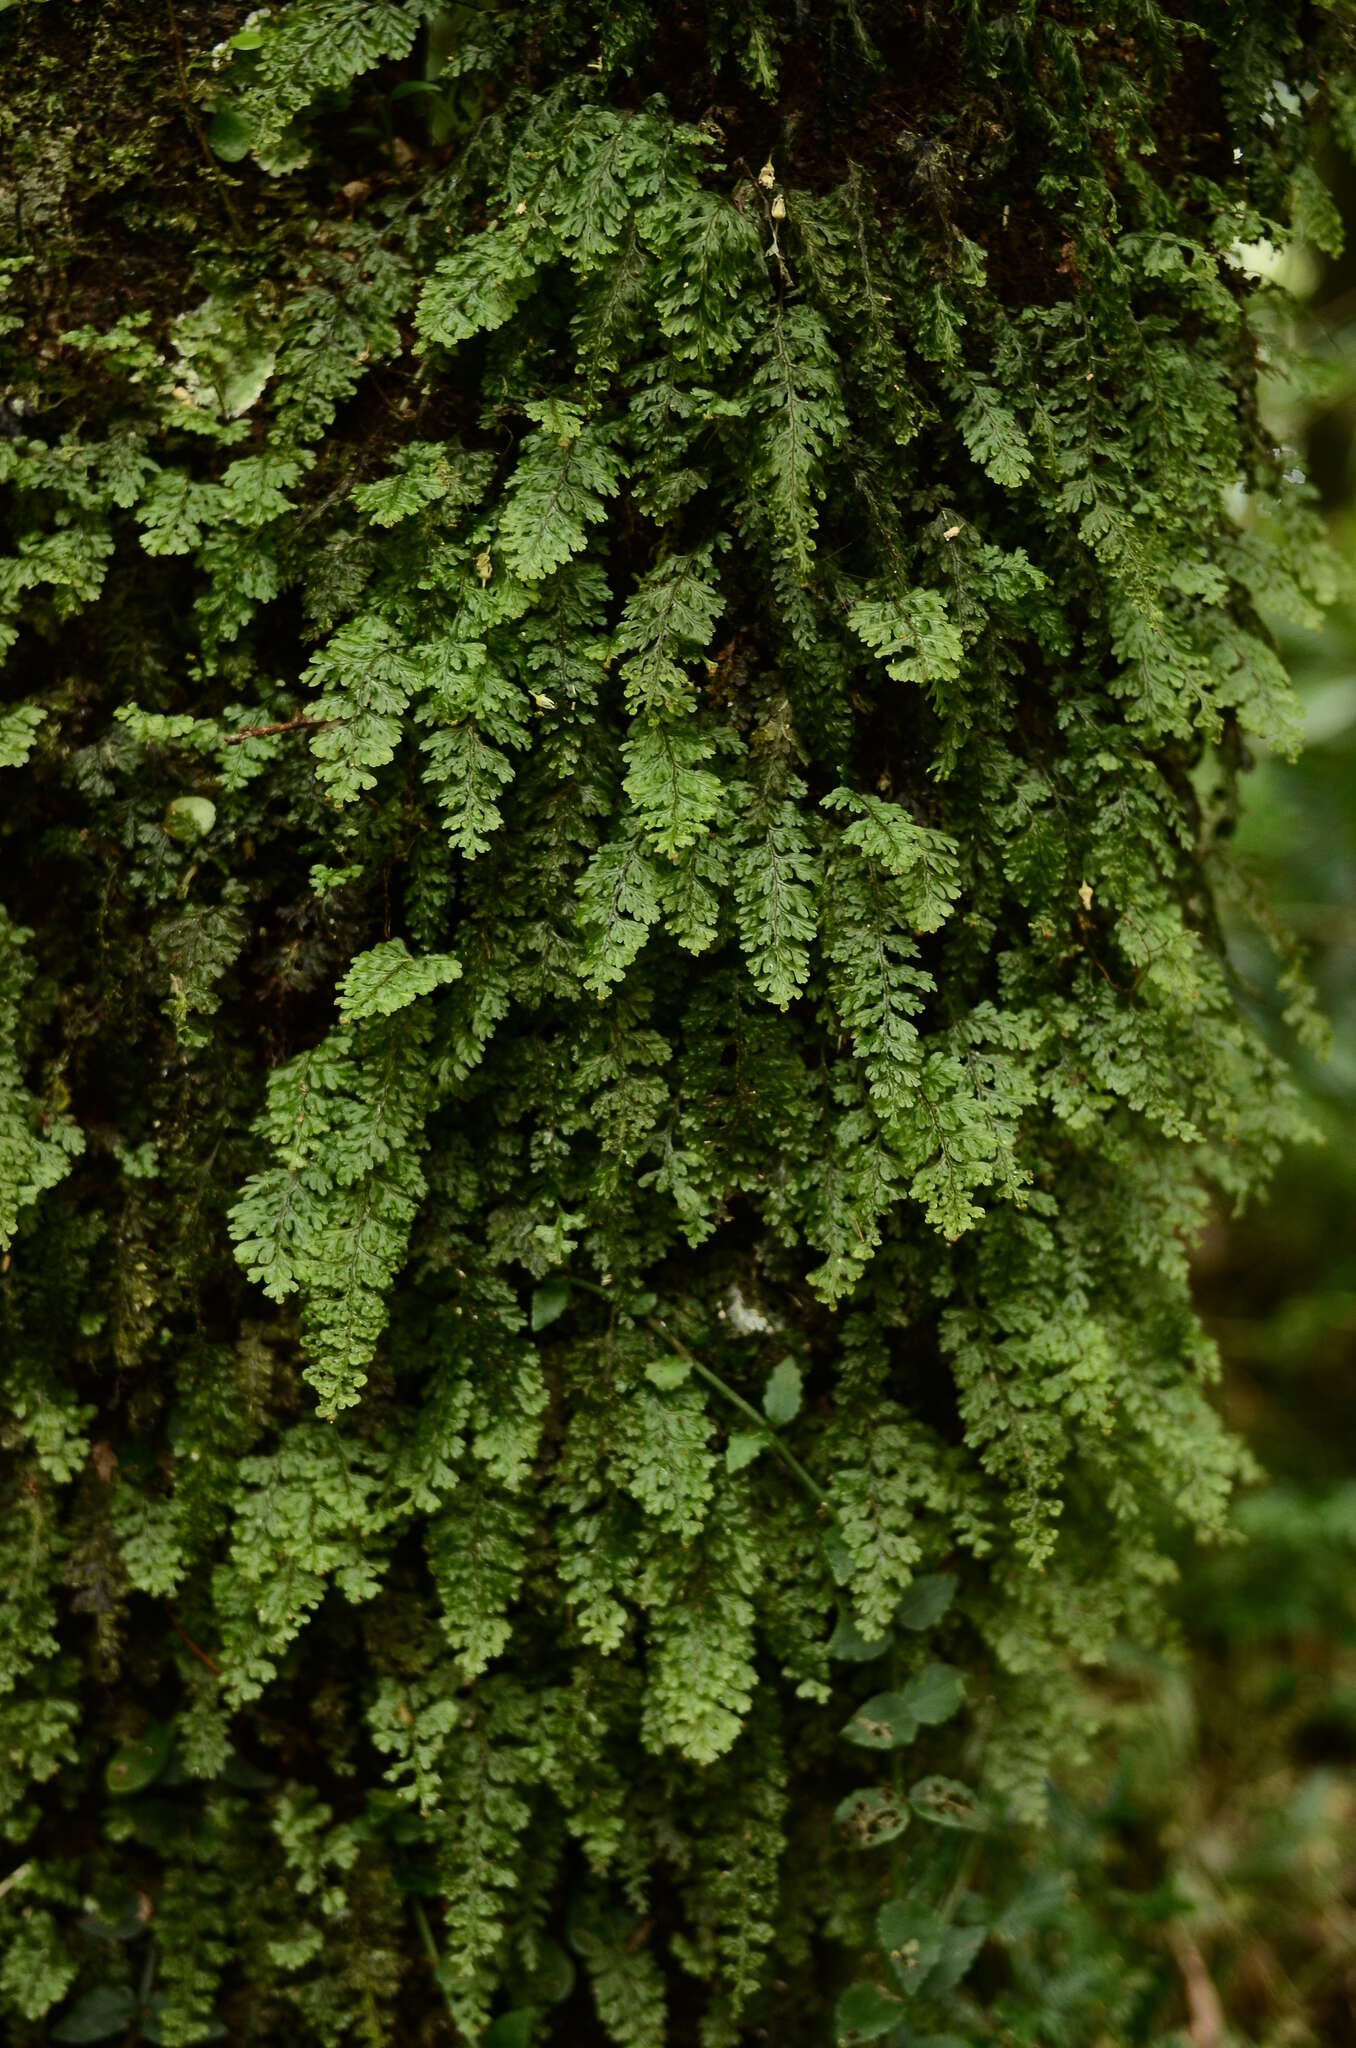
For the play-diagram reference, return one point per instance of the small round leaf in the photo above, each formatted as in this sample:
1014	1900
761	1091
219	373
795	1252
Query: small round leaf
553	1978
837	1555
935	1694
549	1303
960	1946
141	1763
948	1804
743	1448
927	1600
512	2029
228	135
97	2015
886	1721
864	2013
872	1816
911	1937
190	817
782	1394
667	1373
850	1646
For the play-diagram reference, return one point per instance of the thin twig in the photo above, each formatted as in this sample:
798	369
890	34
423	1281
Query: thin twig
188	1642
428	1944
959	1883
713	1379
1206	2025
760	1422
195	125
264	732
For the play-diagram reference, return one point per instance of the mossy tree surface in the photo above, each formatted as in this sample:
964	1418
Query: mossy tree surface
631	634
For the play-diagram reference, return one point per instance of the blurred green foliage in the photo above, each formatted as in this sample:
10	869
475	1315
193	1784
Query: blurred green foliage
1203	1895
1226	1840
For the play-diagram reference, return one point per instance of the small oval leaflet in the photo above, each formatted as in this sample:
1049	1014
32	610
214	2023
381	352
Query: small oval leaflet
667	1373
864	2013
850	1646
190	817
872	1816
511	2029
782	1394
549	1303
141	1763
97	2015
743	1448
836	1555
553	1978
935	1694
886	1721
926	1600
911	1937
960	1946
228	135
948	1803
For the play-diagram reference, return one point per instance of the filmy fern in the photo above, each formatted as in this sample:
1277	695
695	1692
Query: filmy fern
612	1027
